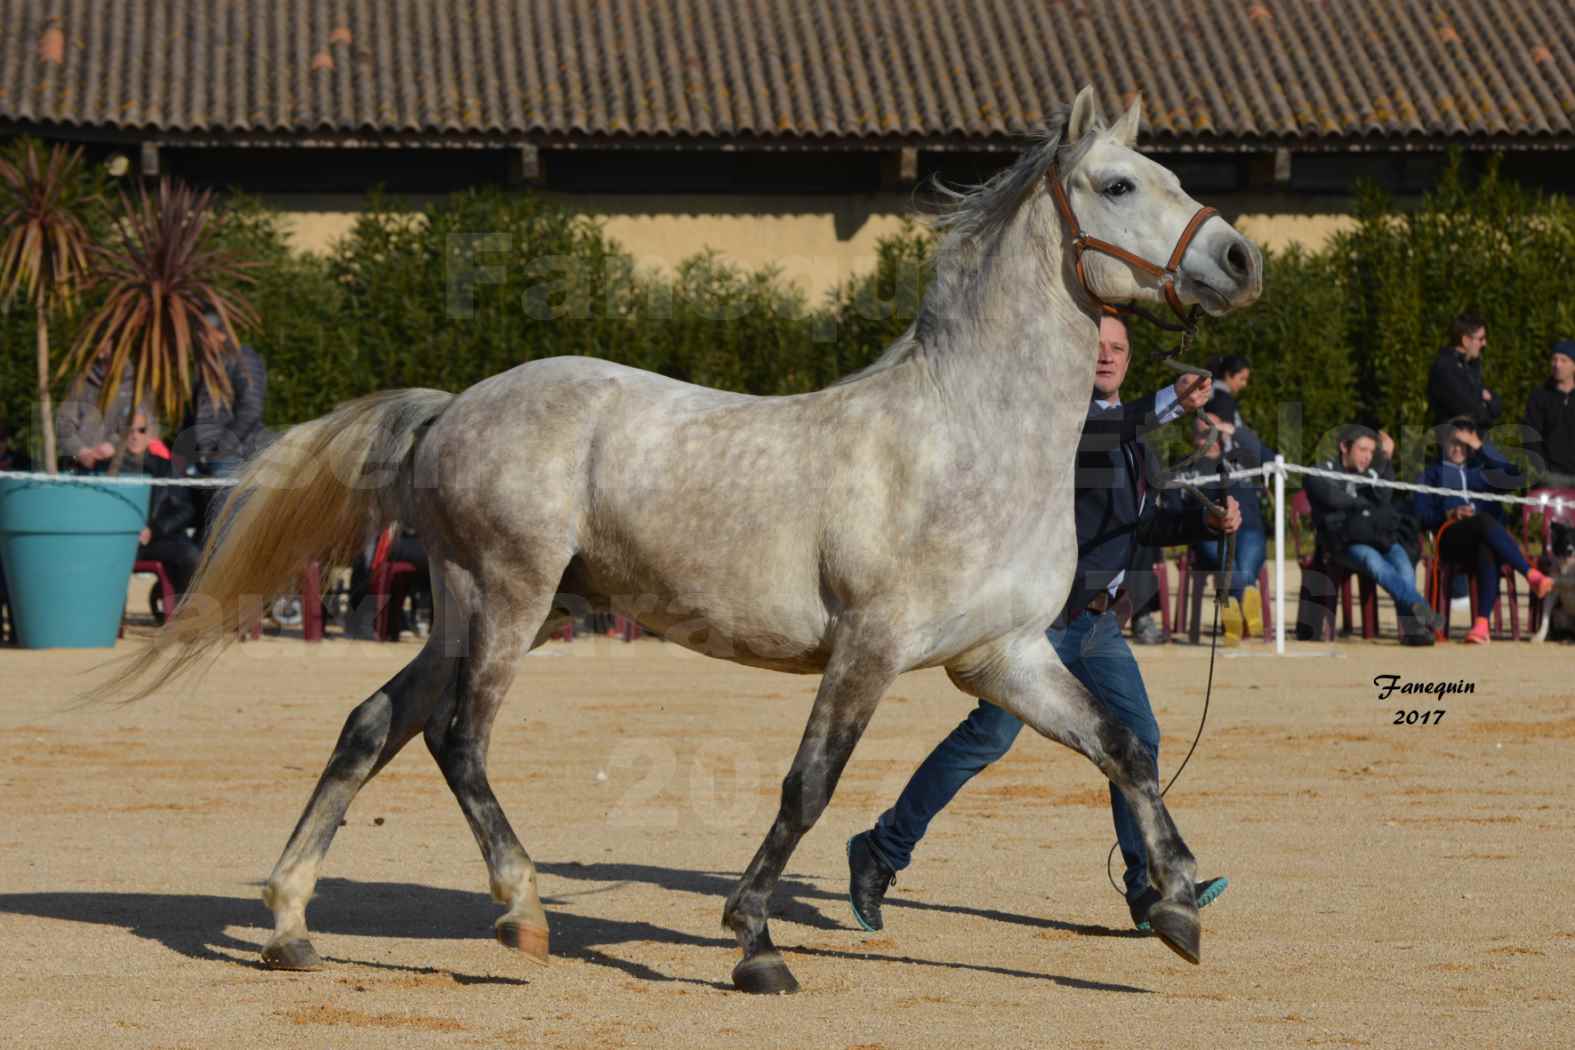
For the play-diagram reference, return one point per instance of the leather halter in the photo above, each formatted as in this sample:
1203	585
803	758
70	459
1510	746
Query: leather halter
1082	242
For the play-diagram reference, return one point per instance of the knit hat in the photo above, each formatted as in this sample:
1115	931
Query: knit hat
1565	347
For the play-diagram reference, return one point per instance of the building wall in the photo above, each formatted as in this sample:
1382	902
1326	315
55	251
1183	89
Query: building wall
817	241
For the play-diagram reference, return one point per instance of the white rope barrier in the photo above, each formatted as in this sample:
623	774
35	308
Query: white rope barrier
1411	486
1278	470
124	479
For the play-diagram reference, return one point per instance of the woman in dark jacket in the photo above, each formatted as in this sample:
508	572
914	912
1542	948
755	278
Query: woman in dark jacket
1470	532
171	511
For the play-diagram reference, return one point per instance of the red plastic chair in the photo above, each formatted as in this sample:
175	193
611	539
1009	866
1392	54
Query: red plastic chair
1162	578
312	602
1440	577
166	588
166	591
1553	513
1339	575
167	598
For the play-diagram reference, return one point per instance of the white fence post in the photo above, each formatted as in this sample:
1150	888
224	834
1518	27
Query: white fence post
1279	555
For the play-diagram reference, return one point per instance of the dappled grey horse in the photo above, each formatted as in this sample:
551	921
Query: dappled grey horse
916	514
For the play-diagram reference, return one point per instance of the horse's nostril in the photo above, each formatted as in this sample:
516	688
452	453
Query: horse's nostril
1236	258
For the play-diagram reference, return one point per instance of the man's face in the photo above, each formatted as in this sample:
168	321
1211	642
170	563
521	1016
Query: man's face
1358	454
1455	449
1563	369
1114	357
1474	344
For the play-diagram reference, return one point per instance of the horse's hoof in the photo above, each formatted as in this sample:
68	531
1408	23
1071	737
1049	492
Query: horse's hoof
764	974
529	941
1178	926
297	954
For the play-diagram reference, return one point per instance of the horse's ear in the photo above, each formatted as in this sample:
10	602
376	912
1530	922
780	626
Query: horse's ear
1085	116
1125	130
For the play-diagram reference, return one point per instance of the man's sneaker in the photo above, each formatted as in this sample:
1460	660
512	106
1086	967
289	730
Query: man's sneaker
868	880
1426	616
1146	630
1208	892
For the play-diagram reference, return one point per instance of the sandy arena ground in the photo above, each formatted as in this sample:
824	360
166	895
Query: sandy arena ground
1391	886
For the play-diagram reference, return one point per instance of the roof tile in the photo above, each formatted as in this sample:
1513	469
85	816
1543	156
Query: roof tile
1284	70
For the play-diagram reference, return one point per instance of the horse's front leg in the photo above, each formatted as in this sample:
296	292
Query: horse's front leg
861	669
1024	675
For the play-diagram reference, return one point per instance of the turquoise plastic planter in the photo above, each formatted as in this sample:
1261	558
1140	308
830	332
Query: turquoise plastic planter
68	550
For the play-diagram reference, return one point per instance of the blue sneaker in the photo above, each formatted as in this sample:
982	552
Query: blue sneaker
1208	892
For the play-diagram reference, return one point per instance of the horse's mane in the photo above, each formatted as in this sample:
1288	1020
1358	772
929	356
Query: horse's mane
970	219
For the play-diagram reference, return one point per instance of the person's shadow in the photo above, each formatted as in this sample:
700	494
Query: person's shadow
195	925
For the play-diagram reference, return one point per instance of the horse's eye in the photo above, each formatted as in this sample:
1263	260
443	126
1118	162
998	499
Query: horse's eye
1119	188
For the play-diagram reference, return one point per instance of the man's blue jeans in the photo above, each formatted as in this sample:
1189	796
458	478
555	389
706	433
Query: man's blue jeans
1093	649
1391	570
1250	554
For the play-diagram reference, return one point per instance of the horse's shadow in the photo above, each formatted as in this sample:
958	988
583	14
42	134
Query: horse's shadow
798	892
196	926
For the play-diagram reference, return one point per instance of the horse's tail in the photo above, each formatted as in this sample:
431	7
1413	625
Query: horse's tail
314	495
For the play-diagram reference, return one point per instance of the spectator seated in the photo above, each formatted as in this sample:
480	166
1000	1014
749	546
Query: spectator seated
1469	534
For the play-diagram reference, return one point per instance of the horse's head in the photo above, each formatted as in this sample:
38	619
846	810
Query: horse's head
1122	199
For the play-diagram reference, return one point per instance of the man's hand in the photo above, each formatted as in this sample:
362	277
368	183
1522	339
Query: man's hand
144	536
1228	522
86	457
1194	391
1386	444
1469	439
1487	395
1464	511
104	450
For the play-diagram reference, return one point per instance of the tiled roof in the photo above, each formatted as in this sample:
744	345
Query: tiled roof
1210	71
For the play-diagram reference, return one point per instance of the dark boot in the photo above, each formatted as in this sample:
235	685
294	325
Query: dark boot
868	880
1416	626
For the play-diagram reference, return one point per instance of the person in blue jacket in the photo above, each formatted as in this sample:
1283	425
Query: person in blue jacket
1472	530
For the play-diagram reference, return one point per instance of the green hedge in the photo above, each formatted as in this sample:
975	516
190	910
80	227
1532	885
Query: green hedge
484	280
1495	249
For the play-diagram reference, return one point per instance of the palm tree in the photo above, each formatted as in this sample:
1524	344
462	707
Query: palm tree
164	272
46	207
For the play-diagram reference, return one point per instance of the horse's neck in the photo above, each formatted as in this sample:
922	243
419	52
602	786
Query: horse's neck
1016	353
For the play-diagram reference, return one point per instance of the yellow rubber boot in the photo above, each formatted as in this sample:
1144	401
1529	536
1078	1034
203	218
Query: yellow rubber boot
1252	612
1231	622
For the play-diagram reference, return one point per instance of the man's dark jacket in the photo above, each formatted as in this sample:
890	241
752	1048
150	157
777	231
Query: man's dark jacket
216	431
1118	505
1550	416
1454	388
1345	513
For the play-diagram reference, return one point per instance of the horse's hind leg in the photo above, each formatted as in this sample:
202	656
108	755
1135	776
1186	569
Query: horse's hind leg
505	622
1025	676
855	679
372	735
